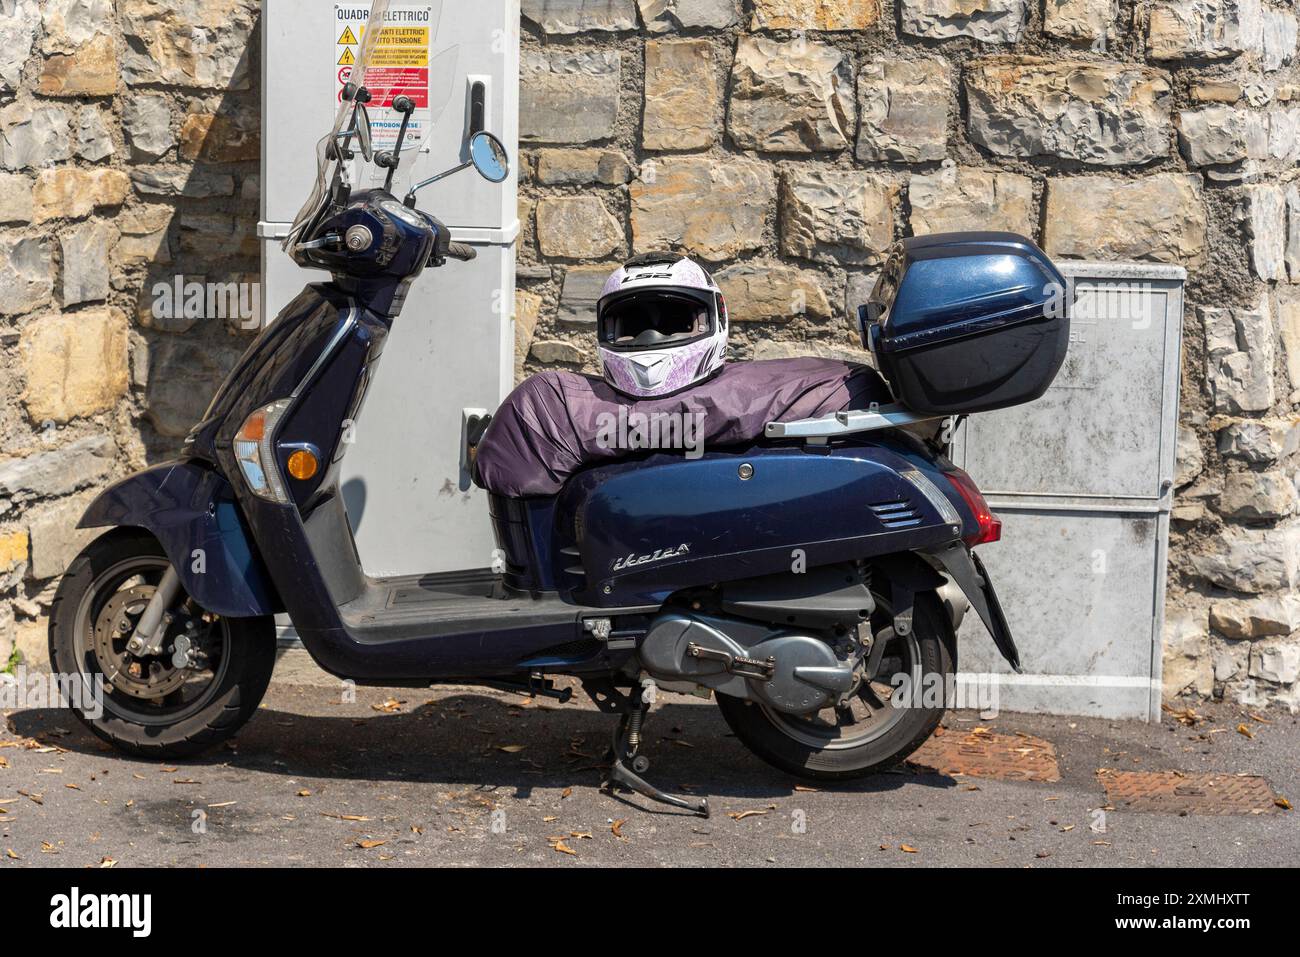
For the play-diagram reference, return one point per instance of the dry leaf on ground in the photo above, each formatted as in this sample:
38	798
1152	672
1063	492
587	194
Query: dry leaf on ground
741	815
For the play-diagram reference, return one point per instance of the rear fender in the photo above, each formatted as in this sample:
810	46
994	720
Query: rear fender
908	576
191	509
964	567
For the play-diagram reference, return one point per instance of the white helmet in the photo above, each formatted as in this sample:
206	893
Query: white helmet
661	325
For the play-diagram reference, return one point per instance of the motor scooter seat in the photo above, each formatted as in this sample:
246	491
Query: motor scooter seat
557	423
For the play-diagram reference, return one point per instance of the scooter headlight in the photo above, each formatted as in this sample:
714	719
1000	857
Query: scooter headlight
256	455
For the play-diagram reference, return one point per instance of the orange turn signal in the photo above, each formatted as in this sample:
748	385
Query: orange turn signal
254	428
302	465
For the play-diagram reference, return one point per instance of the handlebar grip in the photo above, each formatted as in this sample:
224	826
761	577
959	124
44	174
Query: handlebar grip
461	251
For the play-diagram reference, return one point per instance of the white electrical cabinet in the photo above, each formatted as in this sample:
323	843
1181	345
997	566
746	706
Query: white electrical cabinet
452	348
1083	482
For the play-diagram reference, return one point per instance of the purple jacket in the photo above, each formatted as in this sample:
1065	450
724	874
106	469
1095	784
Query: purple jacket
557	423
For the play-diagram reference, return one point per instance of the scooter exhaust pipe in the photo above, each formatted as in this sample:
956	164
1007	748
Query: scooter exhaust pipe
954	601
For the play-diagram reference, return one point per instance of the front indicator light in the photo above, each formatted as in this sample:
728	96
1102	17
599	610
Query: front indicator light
302	465
253	451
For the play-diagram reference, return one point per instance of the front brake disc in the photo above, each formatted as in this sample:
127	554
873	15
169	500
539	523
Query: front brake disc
148	678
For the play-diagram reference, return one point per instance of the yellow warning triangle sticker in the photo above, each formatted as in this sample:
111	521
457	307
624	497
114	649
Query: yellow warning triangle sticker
347	36
347	59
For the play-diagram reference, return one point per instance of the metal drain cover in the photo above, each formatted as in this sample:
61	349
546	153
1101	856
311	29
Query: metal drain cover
1172	792
984	754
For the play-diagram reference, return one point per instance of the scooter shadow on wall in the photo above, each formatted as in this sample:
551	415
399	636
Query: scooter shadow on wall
198	271
470	740
354	500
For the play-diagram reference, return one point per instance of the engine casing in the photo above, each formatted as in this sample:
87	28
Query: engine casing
792	671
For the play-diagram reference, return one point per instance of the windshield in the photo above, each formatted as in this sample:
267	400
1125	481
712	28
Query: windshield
401	58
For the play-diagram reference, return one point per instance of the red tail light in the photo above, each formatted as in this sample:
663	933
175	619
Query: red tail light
990	526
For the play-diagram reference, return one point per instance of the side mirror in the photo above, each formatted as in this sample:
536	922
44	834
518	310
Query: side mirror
486	154
489	157
361	123
359	129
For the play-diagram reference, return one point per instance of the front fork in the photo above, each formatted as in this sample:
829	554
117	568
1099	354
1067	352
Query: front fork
150	630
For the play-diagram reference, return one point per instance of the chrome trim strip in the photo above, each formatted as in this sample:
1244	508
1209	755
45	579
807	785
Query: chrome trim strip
349	322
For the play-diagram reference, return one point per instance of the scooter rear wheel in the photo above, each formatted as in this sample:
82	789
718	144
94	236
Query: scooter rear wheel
151	705
870	733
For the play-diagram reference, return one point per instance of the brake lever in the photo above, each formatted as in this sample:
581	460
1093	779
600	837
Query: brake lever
329	239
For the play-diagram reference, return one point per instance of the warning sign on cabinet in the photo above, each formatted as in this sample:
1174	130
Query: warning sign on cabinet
398	66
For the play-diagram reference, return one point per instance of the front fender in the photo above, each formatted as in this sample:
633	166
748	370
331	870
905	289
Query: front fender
191	509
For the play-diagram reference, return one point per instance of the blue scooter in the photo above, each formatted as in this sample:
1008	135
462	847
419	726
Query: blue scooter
172	608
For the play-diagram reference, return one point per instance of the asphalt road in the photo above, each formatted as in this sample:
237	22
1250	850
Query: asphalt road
466	777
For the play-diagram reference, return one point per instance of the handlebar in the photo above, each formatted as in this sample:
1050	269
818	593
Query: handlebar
444	247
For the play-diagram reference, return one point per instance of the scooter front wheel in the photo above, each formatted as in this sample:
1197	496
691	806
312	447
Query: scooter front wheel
889	714
206	681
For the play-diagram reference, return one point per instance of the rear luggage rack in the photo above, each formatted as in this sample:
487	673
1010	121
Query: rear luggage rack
846	423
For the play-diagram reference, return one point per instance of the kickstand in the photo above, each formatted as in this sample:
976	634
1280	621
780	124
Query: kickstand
627	741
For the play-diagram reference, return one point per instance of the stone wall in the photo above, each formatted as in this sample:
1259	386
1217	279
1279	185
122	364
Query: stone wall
785	143
788	142
128	154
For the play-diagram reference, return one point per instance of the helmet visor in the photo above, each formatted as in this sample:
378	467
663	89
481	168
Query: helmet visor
653	320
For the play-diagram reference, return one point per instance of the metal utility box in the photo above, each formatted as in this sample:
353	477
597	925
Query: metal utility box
1083	482
452	348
